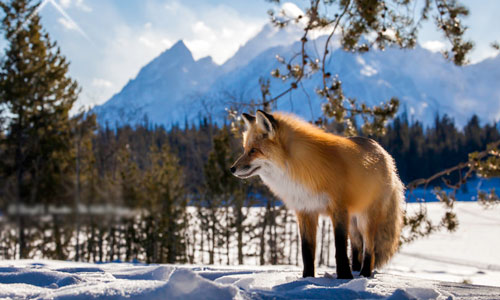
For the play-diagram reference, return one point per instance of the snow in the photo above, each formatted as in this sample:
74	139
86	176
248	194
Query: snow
174	87
471	253
432	268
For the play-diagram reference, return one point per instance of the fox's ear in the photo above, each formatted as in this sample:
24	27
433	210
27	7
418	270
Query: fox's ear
249	119
266	122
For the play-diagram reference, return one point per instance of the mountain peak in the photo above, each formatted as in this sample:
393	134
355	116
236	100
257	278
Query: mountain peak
177	54
179	45
206	60
179	49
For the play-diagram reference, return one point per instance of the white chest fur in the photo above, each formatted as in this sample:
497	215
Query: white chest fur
294	194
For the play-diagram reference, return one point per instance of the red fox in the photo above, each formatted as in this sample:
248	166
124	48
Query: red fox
352	180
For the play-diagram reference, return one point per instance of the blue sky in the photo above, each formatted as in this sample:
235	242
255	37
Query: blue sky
108	41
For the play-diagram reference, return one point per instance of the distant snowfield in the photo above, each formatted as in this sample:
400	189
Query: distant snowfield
432	268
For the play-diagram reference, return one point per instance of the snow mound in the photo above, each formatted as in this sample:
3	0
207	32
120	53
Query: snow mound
185	284
57	280
37	277
144	273
73	281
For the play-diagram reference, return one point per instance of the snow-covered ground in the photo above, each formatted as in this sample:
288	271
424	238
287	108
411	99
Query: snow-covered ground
471	254
438	267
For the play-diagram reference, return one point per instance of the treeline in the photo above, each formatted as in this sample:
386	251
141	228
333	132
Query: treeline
423	151
155	195
72	190
124	195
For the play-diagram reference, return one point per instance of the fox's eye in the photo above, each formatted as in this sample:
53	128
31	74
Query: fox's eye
253	151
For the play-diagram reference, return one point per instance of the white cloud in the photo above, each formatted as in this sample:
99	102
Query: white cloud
155	42
83	6
122	47
66	20
219	32
367	70
65	3
212	30
434	46
166	43
199	45
67	23
122	54
153	39
291	10
145	41
101	83
483	53
80	4
172	7
199	28
227	33
123	43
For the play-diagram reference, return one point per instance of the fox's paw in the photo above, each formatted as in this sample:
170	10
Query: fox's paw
307	274
344	275
366	273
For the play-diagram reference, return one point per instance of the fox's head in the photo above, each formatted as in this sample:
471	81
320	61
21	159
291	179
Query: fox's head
260	143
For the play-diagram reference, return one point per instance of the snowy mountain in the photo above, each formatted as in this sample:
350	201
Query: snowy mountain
268	37
425	83
174	87
161	89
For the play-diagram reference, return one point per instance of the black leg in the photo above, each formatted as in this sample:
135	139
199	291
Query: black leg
308	258
356	244
366	270
356	262
308	223
343	268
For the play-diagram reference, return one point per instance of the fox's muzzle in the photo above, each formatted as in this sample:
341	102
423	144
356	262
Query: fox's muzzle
242	168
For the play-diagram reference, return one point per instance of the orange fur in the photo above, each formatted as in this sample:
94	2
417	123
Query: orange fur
343	177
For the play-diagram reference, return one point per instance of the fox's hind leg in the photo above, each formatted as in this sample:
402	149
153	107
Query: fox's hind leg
356	245
308	223
340	220
369	248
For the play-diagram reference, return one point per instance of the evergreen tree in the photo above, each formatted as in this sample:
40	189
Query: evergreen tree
85	179
166	205
38	95
214	193
473	135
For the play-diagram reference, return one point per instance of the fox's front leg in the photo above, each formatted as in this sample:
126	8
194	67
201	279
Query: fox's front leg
340	222
308	223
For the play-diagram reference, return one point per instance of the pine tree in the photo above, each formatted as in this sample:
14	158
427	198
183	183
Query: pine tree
85	179
166	206
212	199
38	95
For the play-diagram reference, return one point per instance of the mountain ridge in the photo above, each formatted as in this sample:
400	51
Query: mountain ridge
174	87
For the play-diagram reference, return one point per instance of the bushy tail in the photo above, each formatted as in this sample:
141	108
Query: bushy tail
388	231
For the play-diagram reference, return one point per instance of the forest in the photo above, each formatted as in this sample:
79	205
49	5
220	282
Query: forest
149	194
73	189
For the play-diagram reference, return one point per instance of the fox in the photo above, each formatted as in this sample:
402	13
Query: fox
351	180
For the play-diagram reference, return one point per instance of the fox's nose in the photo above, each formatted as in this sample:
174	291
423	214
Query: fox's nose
233	169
